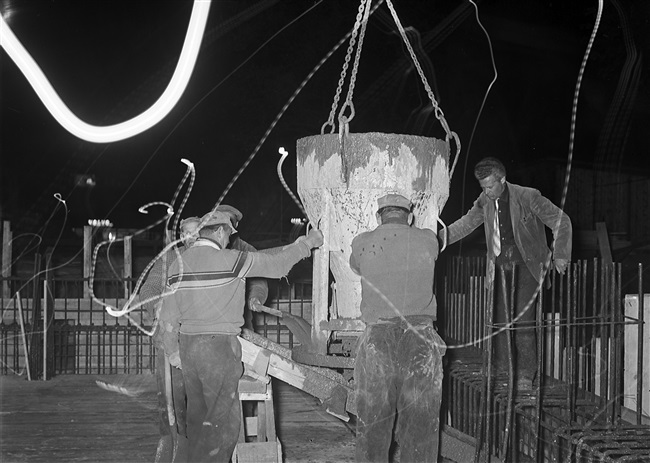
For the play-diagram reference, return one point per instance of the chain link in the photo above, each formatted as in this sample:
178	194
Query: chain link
348	55
355	68
360	24
437	110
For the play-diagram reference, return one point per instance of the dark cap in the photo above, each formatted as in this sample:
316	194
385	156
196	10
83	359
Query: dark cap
393	199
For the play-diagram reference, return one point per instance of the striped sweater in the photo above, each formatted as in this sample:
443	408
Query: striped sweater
208	287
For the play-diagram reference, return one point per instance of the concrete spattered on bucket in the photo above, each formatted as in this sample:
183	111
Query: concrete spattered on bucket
345	190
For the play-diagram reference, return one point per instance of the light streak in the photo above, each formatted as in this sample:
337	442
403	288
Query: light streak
131	127
130	305
284	154
114	311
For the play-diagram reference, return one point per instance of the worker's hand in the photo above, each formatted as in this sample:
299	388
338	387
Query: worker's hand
560	265
175	360
314	238
255	305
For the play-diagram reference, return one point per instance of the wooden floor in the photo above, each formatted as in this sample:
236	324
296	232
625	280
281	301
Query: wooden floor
71	419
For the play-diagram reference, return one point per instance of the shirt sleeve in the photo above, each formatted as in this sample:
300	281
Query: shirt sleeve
467	223
261	264
256	287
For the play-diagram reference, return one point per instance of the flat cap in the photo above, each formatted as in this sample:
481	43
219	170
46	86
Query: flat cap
232	211
393	199
215	218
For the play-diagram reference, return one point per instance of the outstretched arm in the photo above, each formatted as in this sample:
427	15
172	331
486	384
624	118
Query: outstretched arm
467	223
276	264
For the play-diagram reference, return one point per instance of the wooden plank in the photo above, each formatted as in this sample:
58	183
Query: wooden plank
258	452
312	380
603	242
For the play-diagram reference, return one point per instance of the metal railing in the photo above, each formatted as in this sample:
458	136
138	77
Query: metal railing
82	338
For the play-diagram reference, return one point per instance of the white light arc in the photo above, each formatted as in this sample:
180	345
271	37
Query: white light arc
126	129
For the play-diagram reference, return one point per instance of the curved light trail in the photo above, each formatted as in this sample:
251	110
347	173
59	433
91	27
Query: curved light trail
131	127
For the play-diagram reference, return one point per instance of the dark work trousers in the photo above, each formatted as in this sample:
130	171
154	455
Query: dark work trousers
170	436
398	375
211	367
524	345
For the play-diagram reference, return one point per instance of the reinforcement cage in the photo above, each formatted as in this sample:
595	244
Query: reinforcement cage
592	397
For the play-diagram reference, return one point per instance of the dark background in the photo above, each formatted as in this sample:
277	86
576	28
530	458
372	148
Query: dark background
109	61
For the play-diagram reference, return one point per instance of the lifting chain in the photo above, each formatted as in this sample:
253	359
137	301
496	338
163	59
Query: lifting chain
361	22
363	6
343	120
438	111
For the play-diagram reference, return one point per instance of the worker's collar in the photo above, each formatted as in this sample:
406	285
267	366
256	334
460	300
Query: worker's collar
203	241
505	194
395	224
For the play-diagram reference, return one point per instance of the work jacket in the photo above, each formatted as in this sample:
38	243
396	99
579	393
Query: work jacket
529	213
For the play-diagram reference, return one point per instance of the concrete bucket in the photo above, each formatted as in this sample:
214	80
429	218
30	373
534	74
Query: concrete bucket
339	183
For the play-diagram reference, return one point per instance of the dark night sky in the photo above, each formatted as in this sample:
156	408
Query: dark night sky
110	60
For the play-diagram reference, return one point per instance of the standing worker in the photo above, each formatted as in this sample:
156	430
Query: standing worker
514	218
398	370
202	319
257	289
172	444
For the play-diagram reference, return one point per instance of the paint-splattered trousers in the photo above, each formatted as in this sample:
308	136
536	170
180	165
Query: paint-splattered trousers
398	376
211	368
